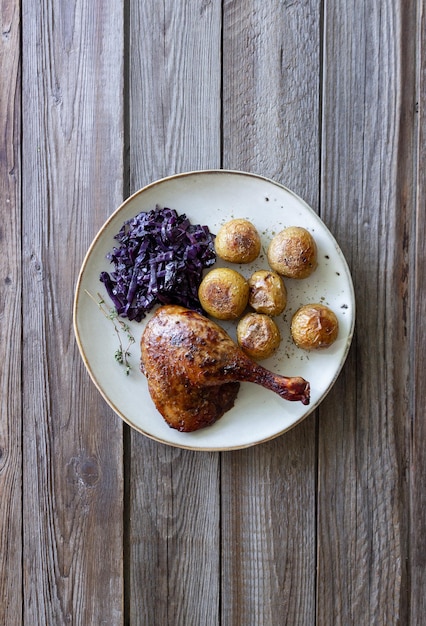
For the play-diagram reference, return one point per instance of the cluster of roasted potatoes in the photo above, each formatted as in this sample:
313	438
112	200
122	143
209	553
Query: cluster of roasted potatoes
225	293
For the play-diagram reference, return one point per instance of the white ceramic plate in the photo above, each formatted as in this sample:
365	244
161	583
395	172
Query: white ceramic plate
213	197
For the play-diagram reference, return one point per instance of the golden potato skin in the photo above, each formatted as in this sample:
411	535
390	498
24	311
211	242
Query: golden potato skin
258	335
314	326
267	293
224	293
238	241
293	253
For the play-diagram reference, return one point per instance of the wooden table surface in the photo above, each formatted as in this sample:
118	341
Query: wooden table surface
325	524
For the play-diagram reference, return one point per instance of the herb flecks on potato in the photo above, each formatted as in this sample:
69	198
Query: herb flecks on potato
238	241
267	292
314	326
224	293
258	335
293	253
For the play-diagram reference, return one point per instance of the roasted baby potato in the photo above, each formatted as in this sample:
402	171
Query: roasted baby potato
224	293
238	241
314	326
267	292
293	253
258	335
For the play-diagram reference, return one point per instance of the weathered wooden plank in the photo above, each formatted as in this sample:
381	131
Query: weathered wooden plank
268	531
367	199
271	82
271	89
72	180
174	535
175	75
174	505
10	319
418	463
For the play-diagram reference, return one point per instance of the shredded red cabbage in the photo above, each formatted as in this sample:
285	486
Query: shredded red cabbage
160	260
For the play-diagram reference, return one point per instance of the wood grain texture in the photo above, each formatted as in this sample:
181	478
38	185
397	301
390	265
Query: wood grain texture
175	79
72	180
10	320
418	462
268	547
100	525
174	536
271	91
174	498
271	97
367	200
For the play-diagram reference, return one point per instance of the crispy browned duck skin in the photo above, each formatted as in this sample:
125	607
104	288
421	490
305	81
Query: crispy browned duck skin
193	369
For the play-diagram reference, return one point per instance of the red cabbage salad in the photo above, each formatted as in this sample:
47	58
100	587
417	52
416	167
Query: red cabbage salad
159	260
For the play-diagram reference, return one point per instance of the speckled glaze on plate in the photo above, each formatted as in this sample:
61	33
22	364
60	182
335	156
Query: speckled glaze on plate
212	197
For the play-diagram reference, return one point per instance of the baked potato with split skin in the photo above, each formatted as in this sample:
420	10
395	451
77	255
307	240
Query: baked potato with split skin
223	293
238	241
258	335
314	326
293	253
267	292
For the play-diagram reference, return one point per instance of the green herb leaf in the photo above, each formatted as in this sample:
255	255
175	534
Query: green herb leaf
122	354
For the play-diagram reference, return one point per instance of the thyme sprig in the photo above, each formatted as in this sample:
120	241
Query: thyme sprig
122	354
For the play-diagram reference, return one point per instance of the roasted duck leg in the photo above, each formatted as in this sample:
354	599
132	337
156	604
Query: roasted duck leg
194	368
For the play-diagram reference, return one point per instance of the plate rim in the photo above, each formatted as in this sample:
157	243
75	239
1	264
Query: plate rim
77	294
